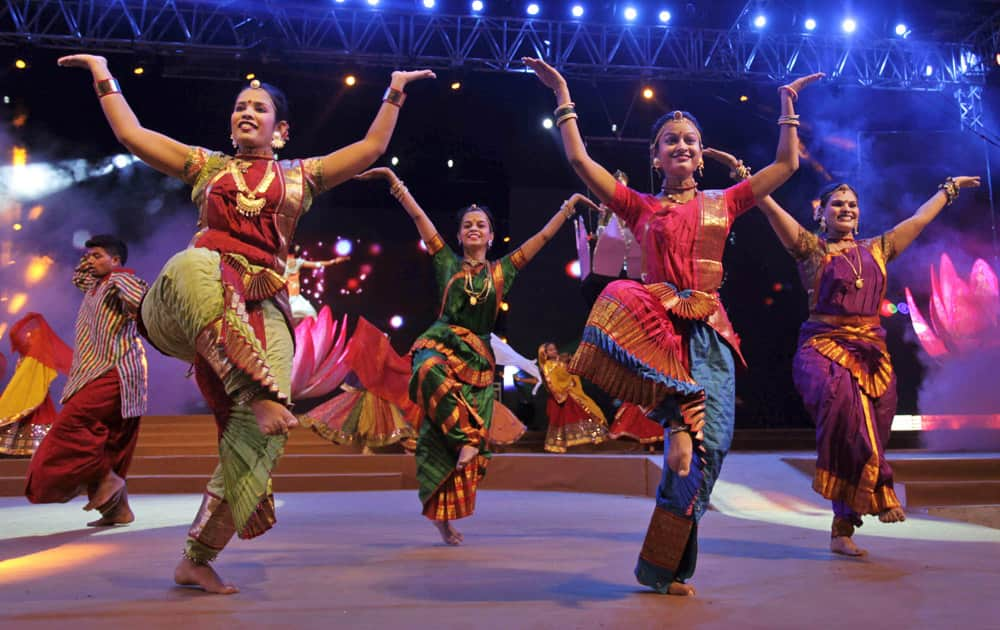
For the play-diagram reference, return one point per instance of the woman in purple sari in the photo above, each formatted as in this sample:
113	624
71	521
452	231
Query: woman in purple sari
842	368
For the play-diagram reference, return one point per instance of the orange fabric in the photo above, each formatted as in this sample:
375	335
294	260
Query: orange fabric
31	336
378	367
456	496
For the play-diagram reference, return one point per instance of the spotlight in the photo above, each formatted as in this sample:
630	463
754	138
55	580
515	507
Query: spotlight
429	4
451	163
456	85
396	321
849	25
997	58
929	70
760	21
810	24
477	5
647	93
21	63
350	80
744	98
343	247
394	161
139	70
631	13
664	16
547	123
573	269
504	306
577	11
373	3
533	9
901	29
250	76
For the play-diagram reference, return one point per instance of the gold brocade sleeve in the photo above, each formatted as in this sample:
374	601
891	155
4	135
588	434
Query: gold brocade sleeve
435	244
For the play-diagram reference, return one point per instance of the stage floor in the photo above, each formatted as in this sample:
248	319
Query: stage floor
530	560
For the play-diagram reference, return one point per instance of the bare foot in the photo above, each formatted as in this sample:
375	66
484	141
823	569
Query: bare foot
189	573
679	455
845	546
273	418
679	588
449	534
466	455
108	487
120	514
894	515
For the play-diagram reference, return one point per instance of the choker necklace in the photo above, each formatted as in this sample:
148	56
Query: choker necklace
247	202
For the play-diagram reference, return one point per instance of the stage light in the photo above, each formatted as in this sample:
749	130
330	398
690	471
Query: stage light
577	11
810	24
340	1
664	16
121	160
395	321
547	123
21	63
394	161
901	29
477	5
647	93
250	76
573	269
429	4
903	308
506	239
631	13
849	25
744	98
760	21
614	127
139	71
929	70
373	3
451	163
343	247
533	9
350	80
17	227
504	306
995	58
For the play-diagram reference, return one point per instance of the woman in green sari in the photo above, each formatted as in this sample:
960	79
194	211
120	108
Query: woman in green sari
453	364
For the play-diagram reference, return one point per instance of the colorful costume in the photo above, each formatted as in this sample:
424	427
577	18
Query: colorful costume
574	418
632	422
668	345
97	429
375	408
452	382
299	305
26	410
843	373
222	305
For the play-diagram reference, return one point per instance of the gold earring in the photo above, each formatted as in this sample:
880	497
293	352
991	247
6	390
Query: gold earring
277	142
233	140
701	168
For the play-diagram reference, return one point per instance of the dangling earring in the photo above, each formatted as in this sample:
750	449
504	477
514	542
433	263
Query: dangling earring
701	168
277	142
822	224
489	243
233	140
856	226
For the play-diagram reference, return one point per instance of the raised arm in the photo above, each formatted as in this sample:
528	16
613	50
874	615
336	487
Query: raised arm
534	244
789	231
348	161
908	229
786	159
596	177
155	149
319	264
402	194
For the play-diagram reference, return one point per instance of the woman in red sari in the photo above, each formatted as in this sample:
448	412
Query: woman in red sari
222	304
666	343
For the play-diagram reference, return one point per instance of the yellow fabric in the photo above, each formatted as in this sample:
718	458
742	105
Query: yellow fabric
26	390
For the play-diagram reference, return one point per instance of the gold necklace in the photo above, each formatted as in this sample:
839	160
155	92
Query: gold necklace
247	202
470	290
858	280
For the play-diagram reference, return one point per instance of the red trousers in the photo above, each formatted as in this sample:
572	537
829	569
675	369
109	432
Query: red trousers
87	439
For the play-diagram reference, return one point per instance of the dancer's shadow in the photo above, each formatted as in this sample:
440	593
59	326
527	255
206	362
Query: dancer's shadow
760	550
27	545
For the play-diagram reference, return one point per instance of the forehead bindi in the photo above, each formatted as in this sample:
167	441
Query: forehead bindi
680	129
475	218
255	96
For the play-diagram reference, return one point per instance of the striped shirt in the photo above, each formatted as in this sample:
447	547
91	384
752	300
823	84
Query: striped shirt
107	337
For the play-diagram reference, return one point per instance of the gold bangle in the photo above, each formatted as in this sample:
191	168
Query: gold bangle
394	96
107	86
950	189
742	172
564	109
564	118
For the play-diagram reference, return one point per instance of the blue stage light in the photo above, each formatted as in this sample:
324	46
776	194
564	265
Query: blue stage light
810	24
631	13
664	16
849	25
429	4
533	9
577	10
477	5
760	21
929	70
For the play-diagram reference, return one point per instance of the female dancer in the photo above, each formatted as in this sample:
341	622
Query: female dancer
222	303
453	364
294	264
574	418
842	367
667	344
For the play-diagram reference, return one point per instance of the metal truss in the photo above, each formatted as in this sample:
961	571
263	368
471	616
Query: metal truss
213	30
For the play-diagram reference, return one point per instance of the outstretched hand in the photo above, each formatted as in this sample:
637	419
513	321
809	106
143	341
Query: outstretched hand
964	181
87	62
548	75
569	206
402	77
730	161
803	82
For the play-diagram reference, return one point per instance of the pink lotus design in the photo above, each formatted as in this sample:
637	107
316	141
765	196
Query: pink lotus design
963	315
320	344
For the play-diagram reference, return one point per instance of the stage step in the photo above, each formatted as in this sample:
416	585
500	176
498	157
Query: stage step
940	493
